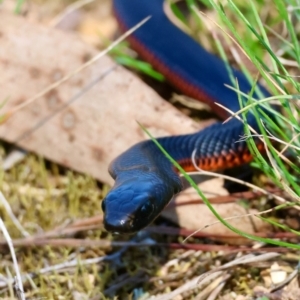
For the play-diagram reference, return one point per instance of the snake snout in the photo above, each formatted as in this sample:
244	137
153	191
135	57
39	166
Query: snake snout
117	213
115	224
130	208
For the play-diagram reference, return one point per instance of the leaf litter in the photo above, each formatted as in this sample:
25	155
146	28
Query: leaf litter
52	202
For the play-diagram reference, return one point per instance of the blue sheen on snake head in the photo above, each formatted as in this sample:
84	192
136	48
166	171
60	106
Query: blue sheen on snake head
131	206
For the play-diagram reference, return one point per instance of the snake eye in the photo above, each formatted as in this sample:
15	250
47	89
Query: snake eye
103	205
147	209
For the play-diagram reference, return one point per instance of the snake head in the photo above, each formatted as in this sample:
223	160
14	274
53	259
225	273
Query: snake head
134	204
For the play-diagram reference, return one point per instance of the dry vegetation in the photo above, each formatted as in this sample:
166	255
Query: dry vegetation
64	253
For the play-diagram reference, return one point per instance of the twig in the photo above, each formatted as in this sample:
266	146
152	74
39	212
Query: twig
185	232
220	199
214	288
204	279
70	264
218	289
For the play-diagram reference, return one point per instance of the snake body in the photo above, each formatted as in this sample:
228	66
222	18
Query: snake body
145	180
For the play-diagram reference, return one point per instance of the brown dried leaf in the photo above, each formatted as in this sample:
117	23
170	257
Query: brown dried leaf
100	124
289	292
199	216
278	274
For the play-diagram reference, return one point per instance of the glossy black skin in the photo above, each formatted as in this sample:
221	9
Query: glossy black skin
140	189
145	180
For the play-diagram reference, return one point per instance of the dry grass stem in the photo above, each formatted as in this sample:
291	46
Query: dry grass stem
18	284
79	69
69	9
13	218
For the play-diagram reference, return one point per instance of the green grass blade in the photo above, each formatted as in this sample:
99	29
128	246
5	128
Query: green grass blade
205	200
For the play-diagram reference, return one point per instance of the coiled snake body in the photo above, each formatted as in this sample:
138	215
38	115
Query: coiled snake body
145	180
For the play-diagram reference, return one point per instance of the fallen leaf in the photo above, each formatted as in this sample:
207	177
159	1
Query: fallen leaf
108	100
289	292
277	273
292	290
199	216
